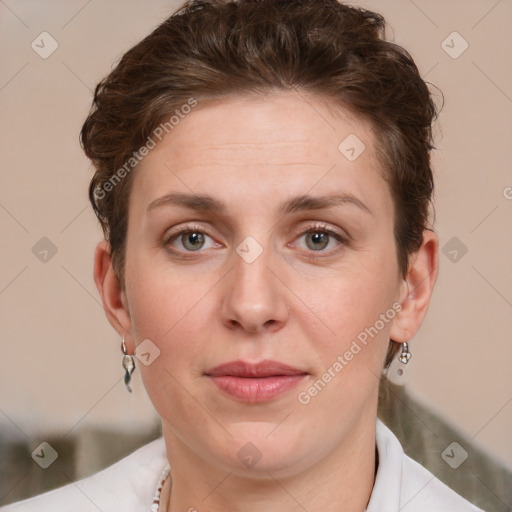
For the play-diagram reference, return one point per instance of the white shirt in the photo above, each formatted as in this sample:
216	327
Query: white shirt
401	485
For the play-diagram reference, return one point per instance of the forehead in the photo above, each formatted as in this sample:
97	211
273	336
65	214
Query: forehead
285	141
273	122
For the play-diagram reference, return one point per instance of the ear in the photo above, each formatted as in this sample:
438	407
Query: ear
416	288
111	293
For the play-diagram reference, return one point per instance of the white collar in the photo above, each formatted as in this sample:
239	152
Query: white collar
403	485
388	480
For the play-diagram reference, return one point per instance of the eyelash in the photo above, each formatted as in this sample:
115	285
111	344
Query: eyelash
316	227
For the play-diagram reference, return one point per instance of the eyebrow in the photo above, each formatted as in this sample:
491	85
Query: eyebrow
206	203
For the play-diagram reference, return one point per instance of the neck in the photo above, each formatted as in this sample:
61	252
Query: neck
341	481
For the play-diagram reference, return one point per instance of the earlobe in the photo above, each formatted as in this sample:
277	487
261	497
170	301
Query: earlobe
112	296
417	288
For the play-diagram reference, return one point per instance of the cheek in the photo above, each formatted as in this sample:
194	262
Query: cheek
175	316
169	308
351	311
349	359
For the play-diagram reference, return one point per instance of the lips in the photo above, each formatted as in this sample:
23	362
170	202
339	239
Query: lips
255	382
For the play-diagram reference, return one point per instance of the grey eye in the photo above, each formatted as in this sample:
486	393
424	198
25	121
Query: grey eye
317	240
193	240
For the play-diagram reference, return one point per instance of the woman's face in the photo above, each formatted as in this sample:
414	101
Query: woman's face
261	231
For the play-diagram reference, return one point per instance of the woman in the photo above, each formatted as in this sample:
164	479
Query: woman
263	181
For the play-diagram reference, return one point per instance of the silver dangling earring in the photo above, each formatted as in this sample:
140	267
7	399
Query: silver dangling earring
405	355
128	365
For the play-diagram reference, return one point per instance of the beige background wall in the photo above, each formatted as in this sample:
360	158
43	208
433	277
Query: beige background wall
60	360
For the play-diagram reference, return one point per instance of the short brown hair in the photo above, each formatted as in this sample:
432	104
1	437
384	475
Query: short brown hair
216	48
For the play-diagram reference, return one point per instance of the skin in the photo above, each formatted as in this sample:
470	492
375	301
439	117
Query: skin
297	303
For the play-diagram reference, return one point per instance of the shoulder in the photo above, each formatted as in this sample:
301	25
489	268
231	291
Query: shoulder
404	485
127	485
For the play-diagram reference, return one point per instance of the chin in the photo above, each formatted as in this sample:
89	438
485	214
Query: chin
257	449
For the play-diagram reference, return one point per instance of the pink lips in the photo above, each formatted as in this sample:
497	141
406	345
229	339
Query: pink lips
255	382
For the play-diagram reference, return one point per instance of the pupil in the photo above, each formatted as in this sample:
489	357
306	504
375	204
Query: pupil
194	241
319	240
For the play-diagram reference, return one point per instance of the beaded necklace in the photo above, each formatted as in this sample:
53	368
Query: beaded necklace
155	507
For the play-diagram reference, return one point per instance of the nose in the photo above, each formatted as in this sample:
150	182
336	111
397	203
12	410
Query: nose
254	298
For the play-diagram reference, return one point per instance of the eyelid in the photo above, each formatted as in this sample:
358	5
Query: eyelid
325	227
184	229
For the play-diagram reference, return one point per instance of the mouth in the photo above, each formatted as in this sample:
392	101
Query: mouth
255	382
